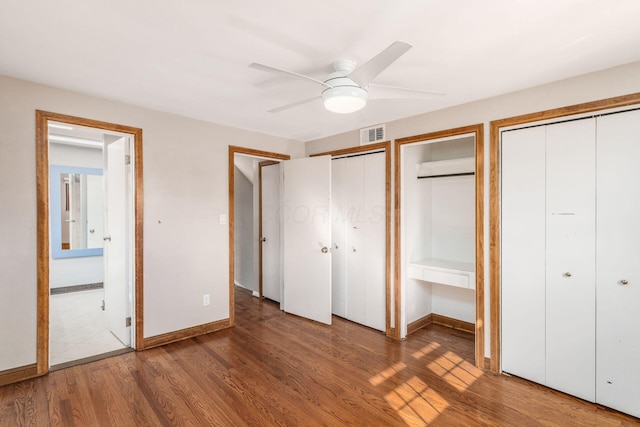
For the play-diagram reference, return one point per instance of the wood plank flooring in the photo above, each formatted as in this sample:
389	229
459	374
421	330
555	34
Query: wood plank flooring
278	369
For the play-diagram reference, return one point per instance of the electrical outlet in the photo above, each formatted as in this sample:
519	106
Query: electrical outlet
205	299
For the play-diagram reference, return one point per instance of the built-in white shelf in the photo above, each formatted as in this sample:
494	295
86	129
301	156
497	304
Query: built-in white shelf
451	273
446	168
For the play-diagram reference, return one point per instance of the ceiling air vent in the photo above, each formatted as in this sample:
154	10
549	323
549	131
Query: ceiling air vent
372	135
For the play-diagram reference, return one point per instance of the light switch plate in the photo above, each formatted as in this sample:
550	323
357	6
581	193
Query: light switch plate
223	219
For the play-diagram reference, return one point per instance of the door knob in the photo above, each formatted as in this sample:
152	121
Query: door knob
263	239
324	249
106	238
567	274
624	282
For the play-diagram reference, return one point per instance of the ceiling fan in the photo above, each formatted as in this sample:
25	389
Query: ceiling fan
347	89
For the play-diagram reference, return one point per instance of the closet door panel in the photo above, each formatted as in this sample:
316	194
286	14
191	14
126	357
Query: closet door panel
356	232
523	253
570	260
618	260
339	246
374	241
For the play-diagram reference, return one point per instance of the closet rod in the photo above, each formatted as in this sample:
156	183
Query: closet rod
447	175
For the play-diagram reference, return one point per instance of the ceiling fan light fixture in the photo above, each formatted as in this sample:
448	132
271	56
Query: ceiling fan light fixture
344	99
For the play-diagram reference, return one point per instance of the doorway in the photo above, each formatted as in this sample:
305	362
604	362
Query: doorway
241	208
439	232
306	229
89	177
300	234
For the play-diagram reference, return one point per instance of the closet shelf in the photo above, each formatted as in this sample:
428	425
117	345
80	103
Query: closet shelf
447	168
444	272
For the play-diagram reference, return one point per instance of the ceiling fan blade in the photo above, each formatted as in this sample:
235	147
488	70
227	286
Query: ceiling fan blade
370	69
275	70
378	91
294	104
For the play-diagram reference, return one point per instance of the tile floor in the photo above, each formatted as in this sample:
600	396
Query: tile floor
78	327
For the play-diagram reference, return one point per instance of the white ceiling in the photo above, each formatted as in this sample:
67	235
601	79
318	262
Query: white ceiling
191	57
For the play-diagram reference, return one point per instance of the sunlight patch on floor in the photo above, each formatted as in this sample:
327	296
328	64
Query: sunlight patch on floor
413	400
416	403
425	350
387	373
459	373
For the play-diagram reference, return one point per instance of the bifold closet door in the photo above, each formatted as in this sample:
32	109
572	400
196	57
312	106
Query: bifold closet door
338	234
359	251
366	250
618	262
523	253
570	259
356	230
548	255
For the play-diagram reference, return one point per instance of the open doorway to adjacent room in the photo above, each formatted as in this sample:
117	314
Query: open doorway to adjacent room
87	259
254	225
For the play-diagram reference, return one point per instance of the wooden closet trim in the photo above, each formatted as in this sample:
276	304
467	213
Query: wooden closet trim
42	193
386	146
233	150
494	197
478	131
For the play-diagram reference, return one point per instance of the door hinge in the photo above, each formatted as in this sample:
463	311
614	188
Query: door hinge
127	321
127	159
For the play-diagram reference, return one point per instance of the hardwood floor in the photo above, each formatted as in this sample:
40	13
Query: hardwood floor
278	369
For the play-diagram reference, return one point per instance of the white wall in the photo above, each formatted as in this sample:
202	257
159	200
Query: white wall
617	81
69	155
416	219
80	270
185	189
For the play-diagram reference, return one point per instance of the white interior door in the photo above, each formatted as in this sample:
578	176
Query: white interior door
374	241
116	246
307	237
356	231
95	211
358	199
618	270
523	253
270	239
570	262
338	235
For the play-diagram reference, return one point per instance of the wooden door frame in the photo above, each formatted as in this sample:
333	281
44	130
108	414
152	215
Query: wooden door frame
478	131
494	197
233	150
42	178
260	166
386	146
